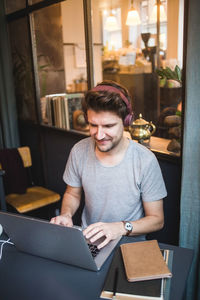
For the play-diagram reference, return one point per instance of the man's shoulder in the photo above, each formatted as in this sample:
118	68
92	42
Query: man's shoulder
141	155
140	149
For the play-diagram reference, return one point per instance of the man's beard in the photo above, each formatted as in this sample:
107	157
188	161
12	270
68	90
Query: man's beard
109	147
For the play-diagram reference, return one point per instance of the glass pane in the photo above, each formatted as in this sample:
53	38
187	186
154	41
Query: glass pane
61	60
23	69
47	29
13	5
129	57
49	49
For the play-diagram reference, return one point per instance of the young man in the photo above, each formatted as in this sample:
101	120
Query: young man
121	179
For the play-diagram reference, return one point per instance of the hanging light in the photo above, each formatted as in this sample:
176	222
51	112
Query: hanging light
133	17
163	16
111	23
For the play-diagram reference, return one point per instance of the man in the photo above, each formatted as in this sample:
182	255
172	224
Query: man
121	179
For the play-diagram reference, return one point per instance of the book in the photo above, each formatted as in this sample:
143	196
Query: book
74	102
154	289
60	109
53	116
144	261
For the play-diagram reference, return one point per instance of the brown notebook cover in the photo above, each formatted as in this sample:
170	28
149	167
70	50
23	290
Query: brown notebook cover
144	261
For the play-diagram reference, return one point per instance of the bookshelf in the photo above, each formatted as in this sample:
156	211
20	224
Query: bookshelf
64	111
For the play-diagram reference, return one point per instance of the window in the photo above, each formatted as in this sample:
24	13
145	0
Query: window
55	48
130	57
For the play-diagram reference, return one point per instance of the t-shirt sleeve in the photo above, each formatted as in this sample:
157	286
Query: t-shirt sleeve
71	174
152	183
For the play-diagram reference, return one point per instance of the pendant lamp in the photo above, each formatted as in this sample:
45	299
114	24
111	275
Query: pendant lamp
111	23
133	16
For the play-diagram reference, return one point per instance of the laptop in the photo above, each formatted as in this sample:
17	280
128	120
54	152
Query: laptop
56	242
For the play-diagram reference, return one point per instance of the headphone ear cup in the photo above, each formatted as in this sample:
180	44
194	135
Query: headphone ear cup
128	119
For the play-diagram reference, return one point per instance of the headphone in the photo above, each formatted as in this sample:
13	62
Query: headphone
112	89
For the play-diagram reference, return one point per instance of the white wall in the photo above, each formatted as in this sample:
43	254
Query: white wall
73	22
74	36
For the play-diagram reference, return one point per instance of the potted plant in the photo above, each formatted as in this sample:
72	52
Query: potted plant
170	86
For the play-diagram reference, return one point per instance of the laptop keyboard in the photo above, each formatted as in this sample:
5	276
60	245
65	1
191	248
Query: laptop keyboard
94	250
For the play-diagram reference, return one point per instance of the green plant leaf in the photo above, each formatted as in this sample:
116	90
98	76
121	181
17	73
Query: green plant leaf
178	72
168	73
160	72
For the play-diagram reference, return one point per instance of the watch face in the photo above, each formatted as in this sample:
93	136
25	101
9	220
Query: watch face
128	226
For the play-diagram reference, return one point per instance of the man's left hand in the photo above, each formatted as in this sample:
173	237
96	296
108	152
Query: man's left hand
110	231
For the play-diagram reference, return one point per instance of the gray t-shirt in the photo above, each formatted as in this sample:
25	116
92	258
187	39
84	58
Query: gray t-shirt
114	193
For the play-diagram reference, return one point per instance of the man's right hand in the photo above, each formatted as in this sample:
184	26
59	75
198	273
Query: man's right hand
64	220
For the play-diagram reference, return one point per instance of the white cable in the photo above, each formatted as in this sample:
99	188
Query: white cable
1	229
3	243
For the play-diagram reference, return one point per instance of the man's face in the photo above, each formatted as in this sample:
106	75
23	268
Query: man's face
106	128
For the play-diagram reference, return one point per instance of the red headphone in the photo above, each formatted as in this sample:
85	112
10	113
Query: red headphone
109	88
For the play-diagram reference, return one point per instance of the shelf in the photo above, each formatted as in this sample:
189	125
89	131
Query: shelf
159	147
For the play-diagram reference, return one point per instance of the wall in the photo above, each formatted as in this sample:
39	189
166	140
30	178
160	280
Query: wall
73	40
172	28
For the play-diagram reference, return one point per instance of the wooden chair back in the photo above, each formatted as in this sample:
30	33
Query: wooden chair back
25	154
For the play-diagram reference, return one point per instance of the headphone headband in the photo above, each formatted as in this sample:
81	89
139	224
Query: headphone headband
113	89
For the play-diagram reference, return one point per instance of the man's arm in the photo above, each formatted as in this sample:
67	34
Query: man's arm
152	221
70	203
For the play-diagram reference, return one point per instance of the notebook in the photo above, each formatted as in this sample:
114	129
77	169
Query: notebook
63	244
144	261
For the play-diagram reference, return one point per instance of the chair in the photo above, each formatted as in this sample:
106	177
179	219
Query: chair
34	197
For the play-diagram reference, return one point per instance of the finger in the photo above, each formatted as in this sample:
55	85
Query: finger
55	221
90	227
97	236
66	222
93	232
104	243
61	221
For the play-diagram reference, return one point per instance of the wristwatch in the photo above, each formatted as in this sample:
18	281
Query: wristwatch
128	227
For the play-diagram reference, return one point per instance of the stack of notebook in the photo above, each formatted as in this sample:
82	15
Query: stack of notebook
139	271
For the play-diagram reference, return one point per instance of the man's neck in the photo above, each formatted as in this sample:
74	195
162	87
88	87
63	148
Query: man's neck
115	155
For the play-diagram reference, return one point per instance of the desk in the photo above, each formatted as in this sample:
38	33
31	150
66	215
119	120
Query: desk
27	277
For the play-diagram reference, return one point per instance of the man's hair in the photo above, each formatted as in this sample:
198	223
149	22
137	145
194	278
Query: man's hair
108	100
